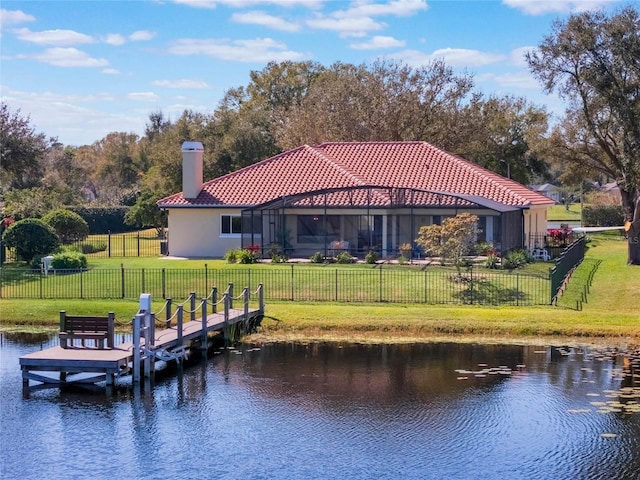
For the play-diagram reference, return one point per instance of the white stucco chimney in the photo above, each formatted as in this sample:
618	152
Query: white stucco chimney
192	153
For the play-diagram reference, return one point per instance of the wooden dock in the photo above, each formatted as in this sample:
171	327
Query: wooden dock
90	365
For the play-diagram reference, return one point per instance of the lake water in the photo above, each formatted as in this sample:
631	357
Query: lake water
319	411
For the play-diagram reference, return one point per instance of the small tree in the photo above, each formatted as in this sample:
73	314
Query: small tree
69	226
31	238
451	240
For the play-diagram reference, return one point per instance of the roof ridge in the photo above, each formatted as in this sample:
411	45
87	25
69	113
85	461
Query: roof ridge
494	178
334	163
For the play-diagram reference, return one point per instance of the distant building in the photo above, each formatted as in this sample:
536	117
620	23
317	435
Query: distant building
548	190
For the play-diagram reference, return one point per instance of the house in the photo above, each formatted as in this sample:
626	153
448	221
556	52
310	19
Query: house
548	190
358	196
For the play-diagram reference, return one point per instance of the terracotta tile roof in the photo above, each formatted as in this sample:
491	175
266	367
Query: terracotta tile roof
416	165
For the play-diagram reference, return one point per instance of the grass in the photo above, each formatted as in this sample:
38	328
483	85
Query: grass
560	213
610	315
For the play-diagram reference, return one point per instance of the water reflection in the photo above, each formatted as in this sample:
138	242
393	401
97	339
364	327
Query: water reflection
331	411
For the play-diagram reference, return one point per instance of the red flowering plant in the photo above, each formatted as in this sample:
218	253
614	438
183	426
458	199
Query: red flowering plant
253	248
558	237
6	223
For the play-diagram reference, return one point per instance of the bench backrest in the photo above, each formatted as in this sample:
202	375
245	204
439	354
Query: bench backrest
85	324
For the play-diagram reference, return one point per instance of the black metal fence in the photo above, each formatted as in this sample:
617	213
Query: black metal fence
147	243
289	283
570	258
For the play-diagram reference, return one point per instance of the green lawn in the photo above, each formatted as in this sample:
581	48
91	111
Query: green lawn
559	213
609	315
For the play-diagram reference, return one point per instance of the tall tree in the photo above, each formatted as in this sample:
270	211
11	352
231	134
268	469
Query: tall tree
21	150
593	61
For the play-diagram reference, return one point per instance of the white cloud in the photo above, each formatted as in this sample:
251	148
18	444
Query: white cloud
143	96
73	119
346	27
114	39
111	71
453	57
9	17
142	35
540	7
313	4
398	8
59	38
69	57
184	83
378	42
511	80
258	50
266	20
517	57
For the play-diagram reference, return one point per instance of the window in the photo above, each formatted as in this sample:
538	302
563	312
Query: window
230	225
311	228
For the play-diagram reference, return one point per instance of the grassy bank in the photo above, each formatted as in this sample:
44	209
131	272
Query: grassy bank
610	314
560	213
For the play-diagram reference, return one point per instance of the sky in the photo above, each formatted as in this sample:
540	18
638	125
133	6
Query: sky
82	69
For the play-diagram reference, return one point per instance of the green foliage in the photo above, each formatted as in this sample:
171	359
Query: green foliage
69	226
247	257
603	215
232	256
22	152
492	261
516	258
145	212
276	254
451	240
344	258
371	257
93	247
69	260
484	248
31	238
317	258
104	219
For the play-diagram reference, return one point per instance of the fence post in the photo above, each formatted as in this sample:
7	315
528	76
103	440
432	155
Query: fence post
203	303
206	275
380	284
245	301
81	295
168	321
180	313
164	283
261	298
192	303
336	285
292	281
142	278
214	300
471	282
139	245
109	242
122	278
136	347
124	245
517	289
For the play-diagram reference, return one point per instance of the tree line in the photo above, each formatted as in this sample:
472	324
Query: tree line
592	60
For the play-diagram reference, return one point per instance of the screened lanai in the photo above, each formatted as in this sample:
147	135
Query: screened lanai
368	218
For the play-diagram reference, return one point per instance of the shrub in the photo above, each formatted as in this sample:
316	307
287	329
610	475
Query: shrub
344	257
602	215
69	260
88	248
231	256
275	252
484	248
69	226
516	259
371	257
402	260
492	261
32	238
247	257
317	258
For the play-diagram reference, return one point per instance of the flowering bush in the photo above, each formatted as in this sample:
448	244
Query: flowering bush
559	236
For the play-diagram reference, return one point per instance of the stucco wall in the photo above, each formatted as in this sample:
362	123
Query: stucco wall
196	233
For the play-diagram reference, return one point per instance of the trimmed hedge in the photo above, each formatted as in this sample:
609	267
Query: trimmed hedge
602	216
105	219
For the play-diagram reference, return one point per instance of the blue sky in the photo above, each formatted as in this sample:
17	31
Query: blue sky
82	69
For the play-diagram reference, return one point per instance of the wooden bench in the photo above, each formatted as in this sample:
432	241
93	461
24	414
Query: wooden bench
83	328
